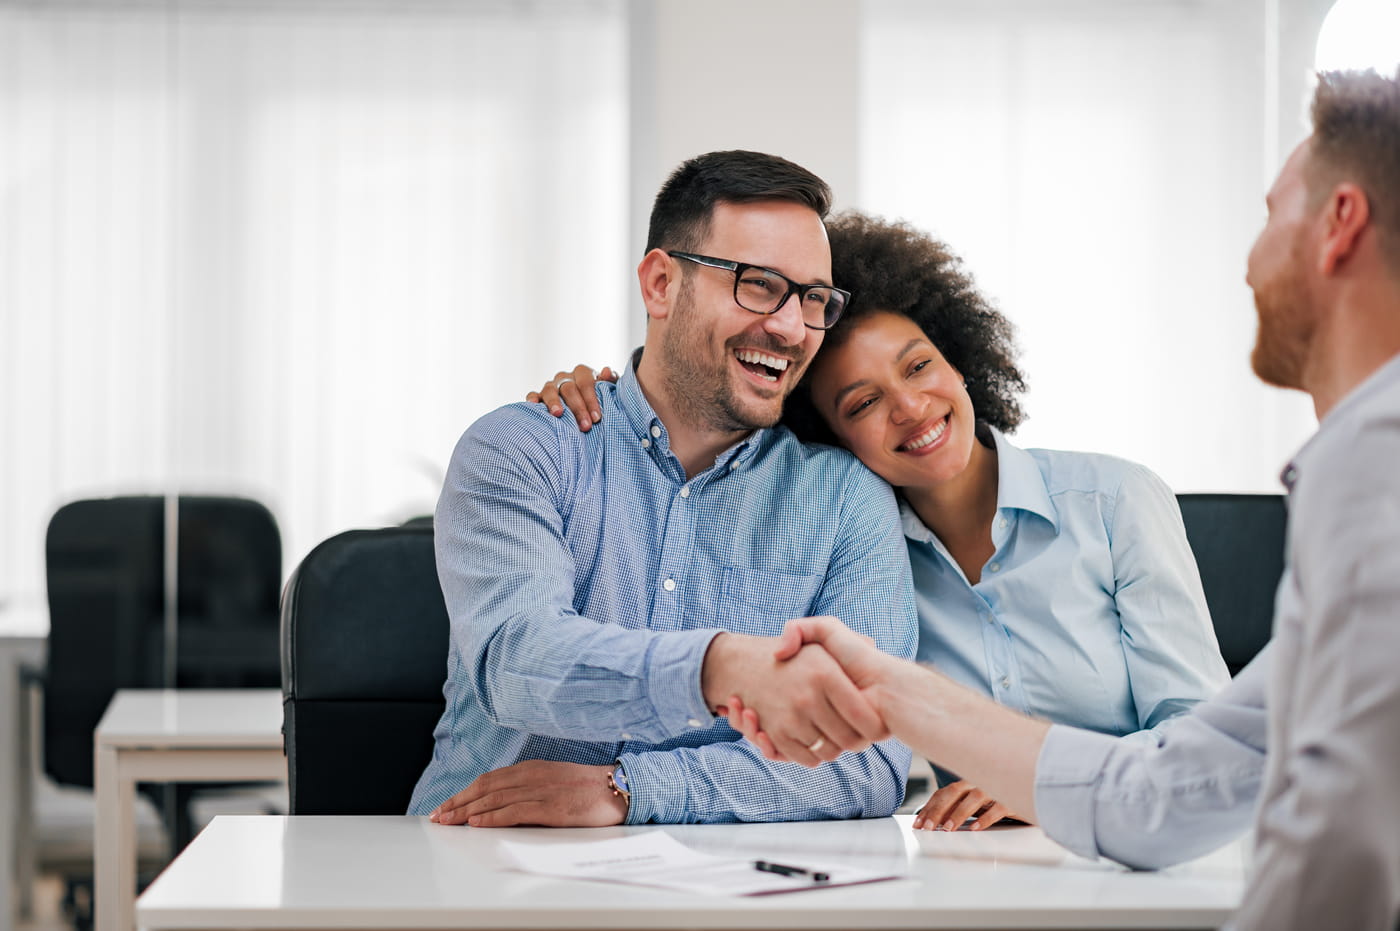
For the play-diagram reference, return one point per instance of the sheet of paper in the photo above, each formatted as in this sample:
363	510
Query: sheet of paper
655	858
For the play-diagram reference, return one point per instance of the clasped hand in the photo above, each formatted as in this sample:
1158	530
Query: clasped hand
812	712
872	673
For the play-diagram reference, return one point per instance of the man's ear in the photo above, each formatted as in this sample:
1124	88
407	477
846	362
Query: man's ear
660	278
1344	219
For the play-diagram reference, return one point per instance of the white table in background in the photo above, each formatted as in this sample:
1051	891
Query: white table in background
171	735
405	872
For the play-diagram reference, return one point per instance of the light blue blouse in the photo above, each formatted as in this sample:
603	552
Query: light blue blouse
1089	613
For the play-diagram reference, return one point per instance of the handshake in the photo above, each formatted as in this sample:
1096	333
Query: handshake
822	689
812	694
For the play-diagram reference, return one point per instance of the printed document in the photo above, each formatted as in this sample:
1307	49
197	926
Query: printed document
655	858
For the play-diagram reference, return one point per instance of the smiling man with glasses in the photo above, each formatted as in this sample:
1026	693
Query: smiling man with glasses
610	591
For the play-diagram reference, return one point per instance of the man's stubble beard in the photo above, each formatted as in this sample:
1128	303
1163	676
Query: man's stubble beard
701	388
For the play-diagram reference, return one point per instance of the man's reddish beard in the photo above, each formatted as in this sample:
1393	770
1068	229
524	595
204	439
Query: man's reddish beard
1286	325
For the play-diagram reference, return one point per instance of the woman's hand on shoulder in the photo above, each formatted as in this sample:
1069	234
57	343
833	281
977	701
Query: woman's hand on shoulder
954	803
574	390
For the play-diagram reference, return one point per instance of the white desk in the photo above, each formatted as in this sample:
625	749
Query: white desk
171	735
404	872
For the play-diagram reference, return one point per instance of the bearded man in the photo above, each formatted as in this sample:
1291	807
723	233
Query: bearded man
608	591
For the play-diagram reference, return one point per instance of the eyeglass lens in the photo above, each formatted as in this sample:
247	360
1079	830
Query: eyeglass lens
762	291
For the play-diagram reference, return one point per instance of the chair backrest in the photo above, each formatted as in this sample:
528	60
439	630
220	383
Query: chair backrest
104	559
364	641
1238	541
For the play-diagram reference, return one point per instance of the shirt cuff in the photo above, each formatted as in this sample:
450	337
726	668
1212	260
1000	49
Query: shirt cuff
648	776
1067	776
673	680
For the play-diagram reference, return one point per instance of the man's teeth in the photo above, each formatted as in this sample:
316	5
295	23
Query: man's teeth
923	439
754	357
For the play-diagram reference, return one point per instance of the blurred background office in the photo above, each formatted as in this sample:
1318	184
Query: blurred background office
290	249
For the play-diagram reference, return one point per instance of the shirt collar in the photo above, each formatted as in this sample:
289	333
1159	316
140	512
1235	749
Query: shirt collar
1020	485
652	433
1376	388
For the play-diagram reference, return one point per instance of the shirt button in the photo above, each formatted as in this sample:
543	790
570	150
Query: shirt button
995	567
669	585
646	443
626	736
685	491
655	430
734	465
1005	523
694	722
1006	682
987	618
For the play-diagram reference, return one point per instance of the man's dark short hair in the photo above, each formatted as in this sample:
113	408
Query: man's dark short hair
681	214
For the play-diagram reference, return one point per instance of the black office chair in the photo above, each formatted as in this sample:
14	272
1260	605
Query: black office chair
1238	542
364	641
105	566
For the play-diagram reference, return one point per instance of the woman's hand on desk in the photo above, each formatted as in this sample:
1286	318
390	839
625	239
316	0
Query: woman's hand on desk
538	792
953	804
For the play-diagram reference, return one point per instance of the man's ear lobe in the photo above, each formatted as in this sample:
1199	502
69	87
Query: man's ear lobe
1346	215
659	278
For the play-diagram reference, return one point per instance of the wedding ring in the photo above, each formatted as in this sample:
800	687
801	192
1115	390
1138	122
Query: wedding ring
560	383
814	747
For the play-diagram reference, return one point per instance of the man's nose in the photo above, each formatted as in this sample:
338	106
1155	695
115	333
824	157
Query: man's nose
786	322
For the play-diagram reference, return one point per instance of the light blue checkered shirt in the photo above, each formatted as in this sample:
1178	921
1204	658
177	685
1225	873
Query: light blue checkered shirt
585	578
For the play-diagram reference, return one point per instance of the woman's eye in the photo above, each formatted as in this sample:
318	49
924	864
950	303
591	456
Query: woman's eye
863	405
920	366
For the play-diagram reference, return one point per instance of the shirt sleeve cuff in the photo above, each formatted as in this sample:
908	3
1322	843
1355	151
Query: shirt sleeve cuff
648	776
673	680
1067	775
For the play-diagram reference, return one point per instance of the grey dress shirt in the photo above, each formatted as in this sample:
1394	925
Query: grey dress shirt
1328	815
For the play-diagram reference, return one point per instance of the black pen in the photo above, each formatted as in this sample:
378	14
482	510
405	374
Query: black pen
765	867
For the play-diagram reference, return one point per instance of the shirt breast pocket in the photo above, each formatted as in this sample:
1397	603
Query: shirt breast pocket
761	601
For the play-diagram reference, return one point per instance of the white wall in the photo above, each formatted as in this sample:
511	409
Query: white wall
780	76
281	248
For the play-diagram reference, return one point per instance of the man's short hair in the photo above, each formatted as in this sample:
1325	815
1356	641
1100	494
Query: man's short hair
681	215
1356	137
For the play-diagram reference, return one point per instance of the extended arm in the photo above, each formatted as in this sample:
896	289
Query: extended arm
992	745
1153	799
507	574
1143	803
536	665
867	585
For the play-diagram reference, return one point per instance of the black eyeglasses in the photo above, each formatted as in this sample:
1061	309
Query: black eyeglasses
761	290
